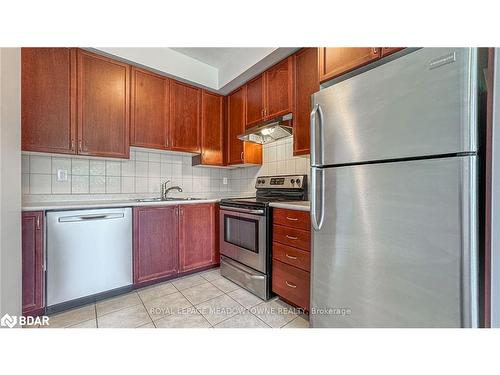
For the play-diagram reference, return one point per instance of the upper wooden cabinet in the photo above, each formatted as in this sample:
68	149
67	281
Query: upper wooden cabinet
200	250
103	106
212	129
334	62
279	91
48	100
185	117
255	101
149	109
306	84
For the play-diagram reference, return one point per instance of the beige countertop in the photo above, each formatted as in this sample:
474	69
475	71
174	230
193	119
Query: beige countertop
76	205
292	205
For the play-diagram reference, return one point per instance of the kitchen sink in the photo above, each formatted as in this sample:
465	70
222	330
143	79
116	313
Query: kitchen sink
172	199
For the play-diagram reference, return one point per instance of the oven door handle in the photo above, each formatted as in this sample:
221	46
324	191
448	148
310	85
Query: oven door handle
244	210
259	277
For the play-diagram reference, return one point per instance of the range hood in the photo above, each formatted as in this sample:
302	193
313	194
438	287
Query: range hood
269	131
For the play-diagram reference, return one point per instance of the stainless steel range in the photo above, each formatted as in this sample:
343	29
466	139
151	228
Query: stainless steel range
245	231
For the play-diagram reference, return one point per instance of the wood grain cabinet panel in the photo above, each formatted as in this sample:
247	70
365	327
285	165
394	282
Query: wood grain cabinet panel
212	129
185	117
236	125
155	243
197	236
292	237
291	283
48	100
32	263
334	62
279	89
255	101
103	106
386	51
306	84
149	109
292	256
292	218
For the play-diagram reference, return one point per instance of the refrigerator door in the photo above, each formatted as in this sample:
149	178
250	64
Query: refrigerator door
397	246
423	103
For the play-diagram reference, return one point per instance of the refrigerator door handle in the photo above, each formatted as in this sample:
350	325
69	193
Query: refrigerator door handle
317	220
314	157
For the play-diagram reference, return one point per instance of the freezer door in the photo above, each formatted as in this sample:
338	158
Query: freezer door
397	246
423	103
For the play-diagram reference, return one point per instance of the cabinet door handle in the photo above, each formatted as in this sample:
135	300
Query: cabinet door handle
292	218
375	51
290	257
80	145
38	223
242	156
290	285
72	145
291	237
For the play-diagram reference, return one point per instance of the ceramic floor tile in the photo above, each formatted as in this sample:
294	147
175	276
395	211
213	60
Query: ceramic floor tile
189	319
117	303
275	313
201	293
225	285
243	320
147	325
211	275
88	324
72	317
188	282
129	317
220	308
298	322
152	292
171	304
245	298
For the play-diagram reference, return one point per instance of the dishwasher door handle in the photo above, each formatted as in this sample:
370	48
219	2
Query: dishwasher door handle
72	219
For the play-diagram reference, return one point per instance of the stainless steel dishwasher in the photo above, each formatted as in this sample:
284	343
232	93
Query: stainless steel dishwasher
88	252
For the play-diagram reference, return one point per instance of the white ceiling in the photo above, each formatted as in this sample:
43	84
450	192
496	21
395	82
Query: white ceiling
215	68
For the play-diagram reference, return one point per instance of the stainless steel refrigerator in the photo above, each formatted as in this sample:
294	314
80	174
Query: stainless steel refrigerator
394	194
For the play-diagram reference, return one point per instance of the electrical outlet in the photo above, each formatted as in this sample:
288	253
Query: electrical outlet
224	180
62	175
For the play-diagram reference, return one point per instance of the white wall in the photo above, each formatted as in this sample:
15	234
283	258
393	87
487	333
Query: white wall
10	181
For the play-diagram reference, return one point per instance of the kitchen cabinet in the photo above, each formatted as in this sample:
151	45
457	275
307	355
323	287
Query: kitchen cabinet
149	109
334	62
292	256
185	117
386	51
239	152
212	129
306	84
32	263
155	243
198	245
255	105
103	106
48	100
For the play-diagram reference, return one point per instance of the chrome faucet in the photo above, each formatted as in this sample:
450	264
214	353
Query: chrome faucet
165	191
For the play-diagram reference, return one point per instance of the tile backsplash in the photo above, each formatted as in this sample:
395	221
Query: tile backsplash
143	173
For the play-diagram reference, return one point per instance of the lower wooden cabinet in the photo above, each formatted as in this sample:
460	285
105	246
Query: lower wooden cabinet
169	240
32	263
197	236
155	243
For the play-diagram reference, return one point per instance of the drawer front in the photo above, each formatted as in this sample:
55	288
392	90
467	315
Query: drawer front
291	283
292	256
292	218
292	237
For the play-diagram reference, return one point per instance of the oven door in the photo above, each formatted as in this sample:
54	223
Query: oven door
243	236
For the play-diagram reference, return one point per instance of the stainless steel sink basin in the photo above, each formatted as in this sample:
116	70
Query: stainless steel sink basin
172	199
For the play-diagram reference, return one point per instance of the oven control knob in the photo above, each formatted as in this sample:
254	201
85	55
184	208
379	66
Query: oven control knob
297	181
292	181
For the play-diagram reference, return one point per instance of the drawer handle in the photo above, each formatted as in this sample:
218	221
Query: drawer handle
292	218
291	238
290	284
290	257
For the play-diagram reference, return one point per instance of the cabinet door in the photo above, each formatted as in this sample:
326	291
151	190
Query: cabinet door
48	100
149	110
155	243
103	106
334	62
385	51
32	263
212	129
197	234
279	89
236	125
306	84
185	114
255	101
